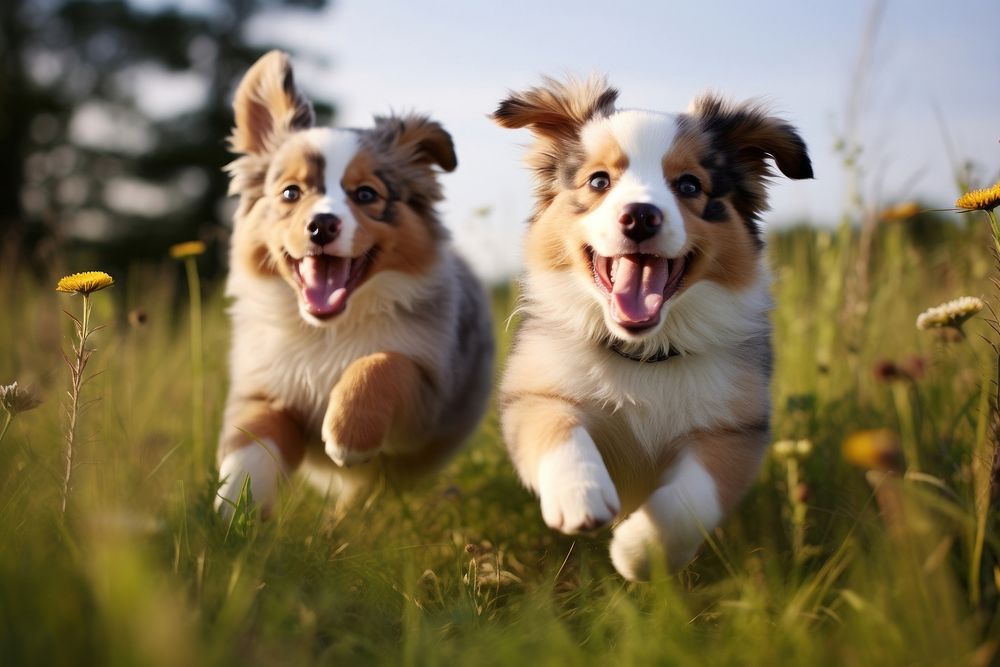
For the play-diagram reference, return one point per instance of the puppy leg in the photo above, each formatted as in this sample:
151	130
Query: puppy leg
706	481
376	393
557	458
260	441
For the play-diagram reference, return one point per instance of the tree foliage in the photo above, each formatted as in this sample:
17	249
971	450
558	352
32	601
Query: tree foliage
113	119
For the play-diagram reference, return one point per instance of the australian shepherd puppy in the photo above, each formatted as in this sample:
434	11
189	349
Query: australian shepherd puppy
362	344
637	387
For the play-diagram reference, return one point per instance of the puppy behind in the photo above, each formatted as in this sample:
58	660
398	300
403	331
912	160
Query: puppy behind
637	387
361	342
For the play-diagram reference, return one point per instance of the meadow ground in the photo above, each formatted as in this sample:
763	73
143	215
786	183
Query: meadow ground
824	563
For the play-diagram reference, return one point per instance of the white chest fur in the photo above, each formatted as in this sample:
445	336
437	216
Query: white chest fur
655	402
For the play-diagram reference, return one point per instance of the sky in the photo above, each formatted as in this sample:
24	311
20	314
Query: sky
930	94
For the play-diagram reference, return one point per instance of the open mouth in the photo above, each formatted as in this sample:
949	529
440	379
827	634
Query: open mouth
326	281
638	285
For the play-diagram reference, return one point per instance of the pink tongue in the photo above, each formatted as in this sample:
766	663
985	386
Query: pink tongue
324	279
637	291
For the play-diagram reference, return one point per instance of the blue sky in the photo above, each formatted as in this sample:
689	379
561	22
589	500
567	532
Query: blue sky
455	60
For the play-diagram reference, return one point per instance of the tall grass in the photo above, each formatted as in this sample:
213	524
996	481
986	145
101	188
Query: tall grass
870	570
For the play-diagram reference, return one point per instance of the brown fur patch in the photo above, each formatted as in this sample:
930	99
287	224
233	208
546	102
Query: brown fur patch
534	424
375	392
732	458
267	106
555	112
262	419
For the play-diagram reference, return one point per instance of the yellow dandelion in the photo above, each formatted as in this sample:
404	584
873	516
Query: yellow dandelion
953	313
85	283
899	212
187	249
985	199
876	449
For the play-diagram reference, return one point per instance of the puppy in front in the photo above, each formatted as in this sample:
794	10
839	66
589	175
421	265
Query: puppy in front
637	387
362	344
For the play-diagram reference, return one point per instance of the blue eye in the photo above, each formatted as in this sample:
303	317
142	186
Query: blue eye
292	193
365	195
599	181
688	186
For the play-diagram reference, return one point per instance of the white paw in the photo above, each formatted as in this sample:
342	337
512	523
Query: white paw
343	456
576	490
261	463
671	525
635	544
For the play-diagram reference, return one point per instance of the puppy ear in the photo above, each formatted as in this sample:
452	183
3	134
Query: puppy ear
419	139
268	106
557	110
750	135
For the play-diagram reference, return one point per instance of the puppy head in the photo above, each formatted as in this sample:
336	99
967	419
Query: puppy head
330	210
639	206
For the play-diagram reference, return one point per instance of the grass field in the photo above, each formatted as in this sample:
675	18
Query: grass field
824	563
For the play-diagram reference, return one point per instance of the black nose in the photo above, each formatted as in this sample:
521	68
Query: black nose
640	221
323	228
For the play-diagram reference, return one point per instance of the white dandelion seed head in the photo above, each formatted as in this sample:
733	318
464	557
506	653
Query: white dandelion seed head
950	314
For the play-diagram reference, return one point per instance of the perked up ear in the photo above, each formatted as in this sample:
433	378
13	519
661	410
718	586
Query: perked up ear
557	110
419	139
268	106
749	135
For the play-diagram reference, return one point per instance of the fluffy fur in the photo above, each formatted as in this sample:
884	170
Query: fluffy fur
361	343
637	387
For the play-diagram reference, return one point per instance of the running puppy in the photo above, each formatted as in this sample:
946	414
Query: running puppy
638	384
362	344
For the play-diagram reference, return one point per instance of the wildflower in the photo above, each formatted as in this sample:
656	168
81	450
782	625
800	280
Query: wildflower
985	199
187	249
953	313
912	368
16	399
876	449
783	449
788	449
188	253
887	371
900	212
84	283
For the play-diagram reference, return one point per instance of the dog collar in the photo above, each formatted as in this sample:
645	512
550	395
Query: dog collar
615	346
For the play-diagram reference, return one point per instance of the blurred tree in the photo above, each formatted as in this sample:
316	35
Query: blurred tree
113	119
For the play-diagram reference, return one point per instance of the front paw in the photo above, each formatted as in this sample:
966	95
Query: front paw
576	490
350	441
256	465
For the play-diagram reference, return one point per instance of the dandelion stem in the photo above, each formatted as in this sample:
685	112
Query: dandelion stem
798	509
907	431
6	423
197	370
76	371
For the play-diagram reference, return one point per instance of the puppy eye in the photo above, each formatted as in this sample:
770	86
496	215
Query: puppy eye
599	181
365	195
291	193
688	186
